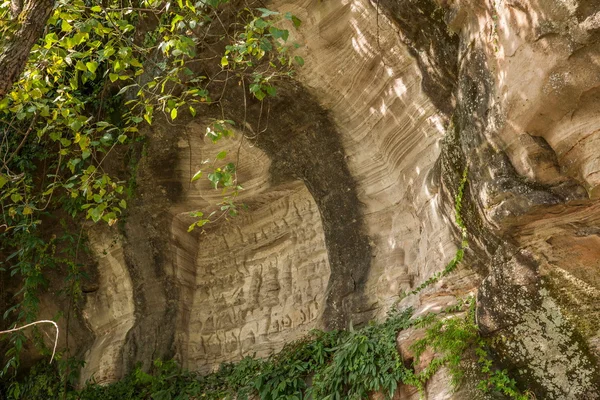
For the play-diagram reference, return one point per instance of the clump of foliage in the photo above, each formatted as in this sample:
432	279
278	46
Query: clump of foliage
451	338
332	365
101	72
366	361
341	364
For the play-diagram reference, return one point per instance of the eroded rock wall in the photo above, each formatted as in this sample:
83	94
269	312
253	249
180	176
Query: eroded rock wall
350	181
343	212
109	310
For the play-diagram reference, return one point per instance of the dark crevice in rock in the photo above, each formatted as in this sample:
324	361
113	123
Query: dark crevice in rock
54	294
435	48
147	253
303	143
586	9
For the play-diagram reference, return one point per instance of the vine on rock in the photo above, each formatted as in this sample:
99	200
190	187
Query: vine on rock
464	243
451	338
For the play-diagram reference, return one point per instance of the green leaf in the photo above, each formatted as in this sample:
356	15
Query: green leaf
299	60
261	23
113	77
123	204
80	66
92	66
279	33
173	113
106	52
296	21
36	94
73	82
3	181
265	44
224	62
122	138
259	94
65	26
95	213
50	38
271	91
197	176
75	124
125	88
221	155
255	87
192	111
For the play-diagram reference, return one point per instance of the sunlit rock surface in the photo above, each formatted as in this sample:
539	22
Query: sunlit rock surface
109	310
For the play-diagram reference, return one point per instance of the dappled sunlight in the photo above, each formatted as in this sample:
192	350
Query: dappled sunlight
383	108
540	78
362	47
399	87
392	243
359	41
433	205
436	122
420	157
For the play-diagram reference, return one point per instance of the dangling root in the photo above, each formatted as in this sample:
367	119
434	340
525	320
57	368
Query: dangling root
45	321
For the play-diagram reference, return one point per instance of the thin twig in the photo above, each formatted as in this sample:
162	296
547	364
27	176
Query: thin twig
22	142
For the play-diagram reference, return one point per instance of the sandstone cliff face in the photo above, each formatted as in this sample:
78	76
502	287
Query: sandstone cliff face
350	181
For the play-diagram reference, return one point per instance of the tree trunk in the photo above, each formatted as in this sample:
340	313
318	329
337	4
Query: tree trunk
16	6
14	50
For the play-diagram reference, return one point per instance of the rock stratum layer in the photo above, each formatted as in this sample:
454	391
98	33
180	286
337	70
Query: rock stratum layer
350	180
